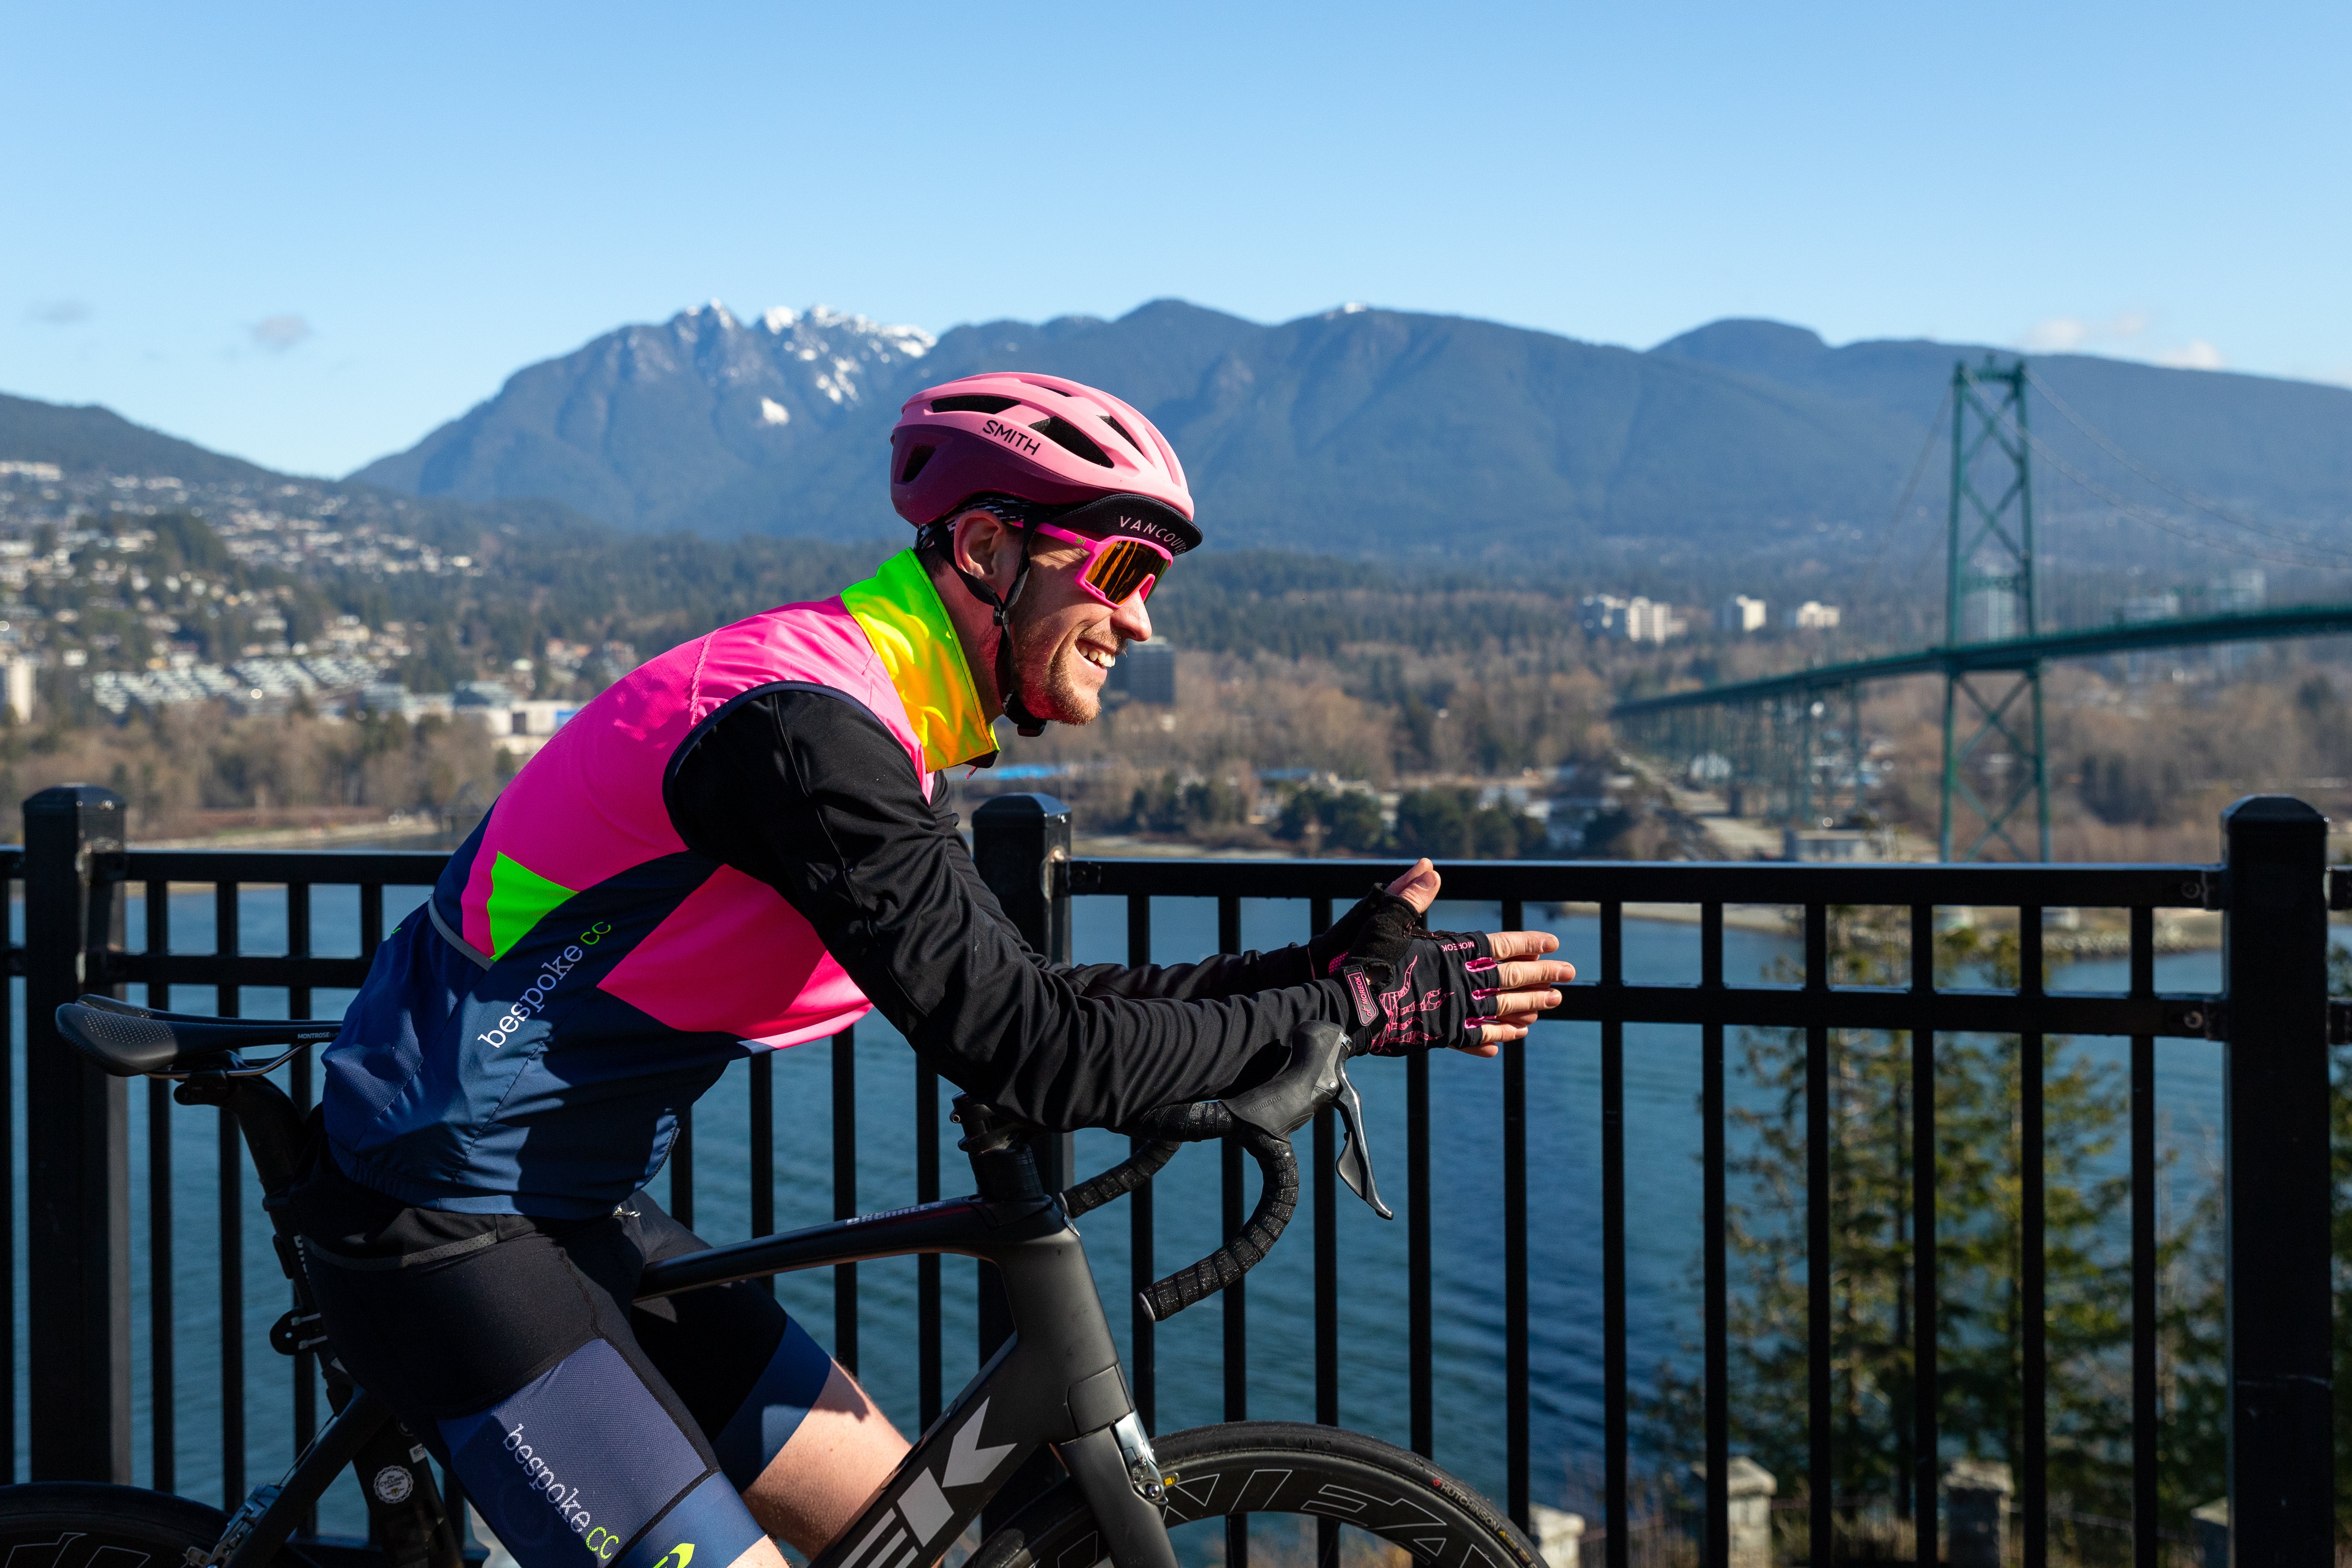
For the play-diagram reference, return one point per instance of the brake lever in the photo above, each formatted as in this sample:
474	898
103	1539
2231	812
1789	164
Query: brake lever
1355	1158
1316	1074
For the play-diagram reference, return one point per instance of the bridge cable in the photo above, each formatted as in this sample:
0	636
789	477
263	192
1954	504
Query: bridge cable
2190	498
2329	561
1895	519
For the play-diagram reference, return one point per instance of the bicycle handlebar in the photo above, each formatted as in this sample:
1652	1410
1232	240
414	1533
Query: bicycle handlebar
1261	1120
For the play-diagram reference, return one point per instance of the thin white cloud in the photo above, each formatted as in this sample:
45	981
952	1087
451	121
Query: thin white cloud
279	333
2127	334
2066	334
58	312
2058	335
2198	355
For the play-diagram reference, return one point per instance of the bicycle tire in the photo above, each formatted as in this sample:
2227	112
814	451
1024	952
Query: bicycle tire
1252	1468
92	1525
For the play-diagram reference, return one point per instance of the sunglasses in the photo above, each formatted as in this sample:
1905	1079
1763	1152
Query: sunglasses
1116	568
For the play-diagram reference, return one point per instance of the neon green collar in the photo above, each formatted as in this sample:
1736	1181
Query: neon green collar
910	631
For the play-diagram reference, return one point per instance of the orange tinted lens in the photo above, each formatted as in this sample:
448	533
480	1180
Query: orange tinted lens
1118	570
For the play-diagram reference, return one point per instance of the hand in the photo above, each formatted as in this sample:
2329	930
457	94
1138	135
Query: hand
1527	987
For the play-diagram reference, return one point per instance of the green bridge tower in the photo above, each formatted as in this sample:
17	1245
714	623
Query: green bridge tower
1995	769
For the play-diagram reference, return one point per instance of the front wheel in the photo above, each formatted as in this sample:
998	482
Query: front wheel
1370	1490
87	1524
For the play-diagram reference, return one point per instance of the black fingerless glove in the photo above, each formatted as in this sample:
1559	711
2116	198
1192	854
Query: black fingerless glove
1376	931
1437	992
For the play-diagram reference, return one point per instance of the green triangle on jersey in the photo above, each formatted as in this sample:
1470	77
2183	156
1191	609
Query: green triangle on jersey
520	900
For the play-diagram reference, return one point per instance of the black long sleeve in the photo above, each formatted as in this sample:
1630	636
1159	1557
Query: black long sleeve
808	792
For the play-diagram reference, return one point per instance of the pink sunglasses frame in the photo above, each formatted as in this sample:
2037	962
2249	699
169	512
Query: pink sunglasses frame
1094	546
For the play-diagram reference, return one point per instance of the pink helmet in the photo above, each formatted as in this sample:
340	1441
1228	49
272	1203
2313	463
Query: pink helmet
1039	439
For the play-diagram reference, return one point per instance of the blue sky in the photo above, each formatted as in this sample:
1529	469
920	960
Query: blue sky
309	234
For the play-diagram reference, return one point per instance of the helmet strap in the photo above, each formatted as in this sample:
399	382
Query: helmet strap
1008	686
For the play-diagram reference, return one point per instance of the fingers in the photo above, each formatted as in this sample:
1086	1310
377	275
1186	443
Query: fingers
1531	973
1519	943
1417	886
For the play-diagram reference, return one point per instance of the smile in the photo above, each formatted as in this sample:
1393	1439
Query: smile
1098	657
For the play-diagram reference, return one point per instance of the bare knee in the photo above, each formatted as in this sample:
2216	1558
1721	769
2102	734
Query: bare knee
826	1473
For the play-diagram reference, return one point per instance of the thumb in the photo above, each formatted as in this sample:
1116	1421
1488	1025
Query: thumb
1418	887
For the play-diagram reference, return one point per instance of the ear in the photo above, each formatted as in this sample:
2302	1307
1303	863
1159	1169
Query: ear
988	547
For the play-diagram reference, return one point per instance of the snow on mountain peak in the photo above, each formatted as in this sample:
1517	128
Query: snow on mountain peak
817	325
717	312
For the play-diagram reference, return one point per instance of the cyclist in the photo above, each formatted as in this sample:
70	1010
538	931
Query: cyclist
740	846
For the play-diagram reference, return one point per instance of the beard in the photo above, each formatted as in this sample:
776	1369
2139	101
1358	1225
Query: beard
1042	672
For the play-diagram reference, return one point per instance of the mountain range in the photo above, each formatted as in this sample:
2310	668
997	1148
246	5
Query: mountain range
1361	432
1372	431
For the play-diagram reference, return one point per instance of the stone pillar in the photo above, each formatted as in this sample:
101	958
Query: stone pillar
1560	1535
2213	1533
1748	1490
1976	1504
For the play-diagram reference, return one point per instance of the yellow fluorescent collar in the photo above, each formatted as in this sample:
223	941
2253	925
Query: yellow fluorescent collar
917	643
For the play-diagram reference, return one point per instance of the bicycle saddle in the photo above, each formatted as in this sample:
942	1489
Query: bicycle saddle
135	1042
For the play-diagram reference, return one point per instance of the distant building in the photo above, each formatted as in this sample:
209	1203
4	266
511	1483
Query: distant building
1146	673
1812	615
2144	608
1740	615
2241	593
1636	619
17	686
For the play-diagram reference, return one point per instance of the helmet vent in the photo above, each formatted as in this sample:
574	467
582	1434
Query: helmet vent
1123	434
915	461
975	403
1061	433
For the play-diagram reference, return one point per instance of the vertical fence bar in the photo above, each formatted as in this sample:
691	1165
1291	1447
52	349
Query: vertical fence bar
1615	1412
2145	1541
2033	1418
1142	1330
929	1388
14	950
681	1169
1418	1307
1716	1243
231	1154
1820	1458
77	1158
2277	1184
298	1089
844	1193
1327	1273
1924	1369
762	1132
1516	1399
161	1399
1235	1296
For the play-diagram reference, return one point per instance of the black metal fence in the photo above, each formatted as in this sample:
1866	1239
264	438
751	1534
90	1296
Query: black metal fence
2272	1018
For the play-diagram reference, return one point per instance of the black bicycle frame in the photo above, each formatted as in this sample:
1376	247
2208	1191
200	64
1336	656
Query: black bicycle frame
1056	1381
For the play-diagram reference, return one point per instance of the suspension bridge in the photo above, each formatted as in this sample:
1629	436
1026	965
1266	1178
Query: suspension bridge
1797	737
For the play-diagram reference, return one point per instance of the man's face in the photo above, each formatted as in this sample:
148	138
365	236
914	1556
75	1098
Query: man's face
1065	640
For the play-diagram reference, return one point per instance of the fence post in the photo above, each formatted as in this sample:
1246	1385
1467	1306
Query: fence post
2276	1082
77	1149
1018	841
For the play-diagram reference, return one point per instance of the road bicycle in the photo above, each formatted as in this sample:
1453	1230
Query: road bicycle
1055	1386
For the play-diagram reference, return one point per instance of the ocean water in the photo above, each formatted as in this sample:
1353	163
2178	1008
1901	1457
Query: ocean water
1664	1229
